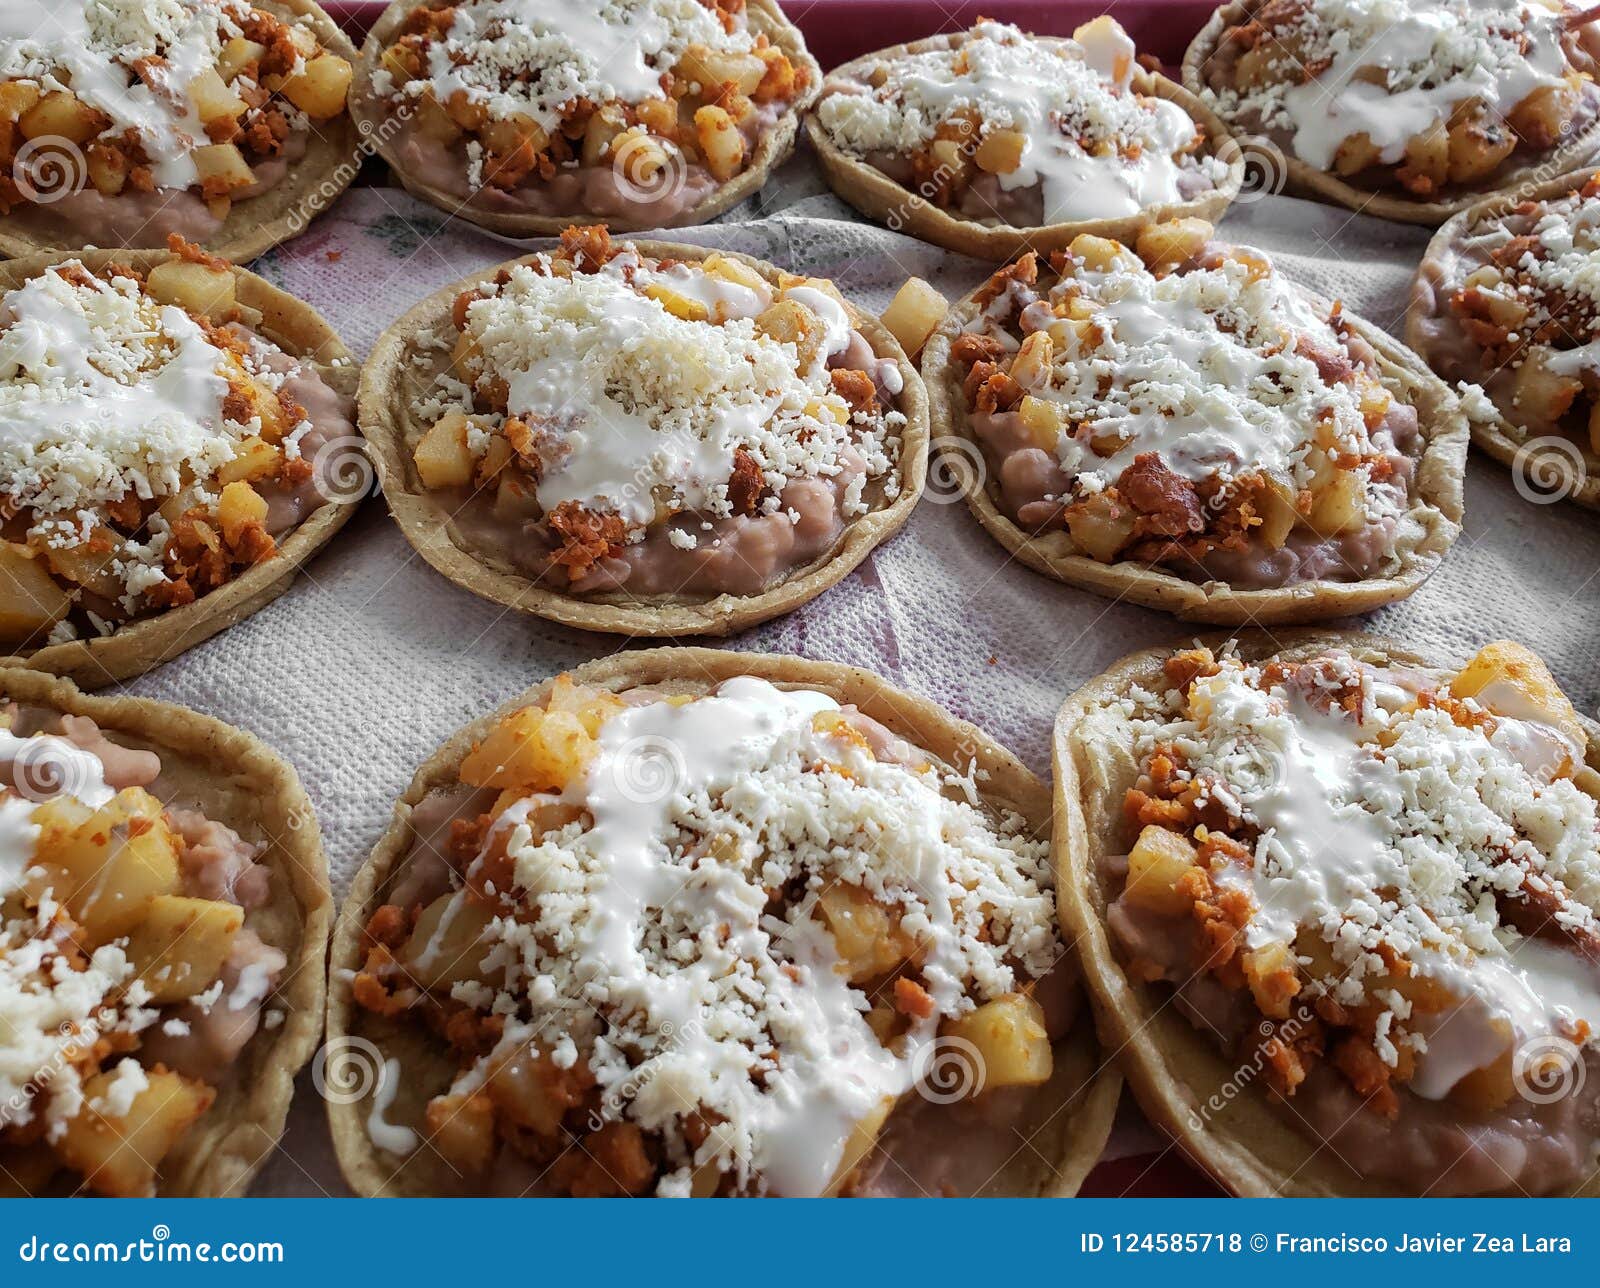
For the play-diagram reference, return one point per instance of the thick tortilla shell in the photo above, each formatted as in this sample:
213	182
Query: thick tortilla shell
297	329
1303	180
312	184
1573	475
1060	1155
879	197
772	149
1436	501
1184	1083
390	380
235	779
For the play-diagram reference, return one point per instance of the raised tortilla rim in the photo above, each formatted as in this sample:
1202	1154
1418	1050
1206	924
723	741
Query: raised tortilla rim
772	148
1176	1071
1500	438
235	779
253	226
879	197
1436	501
300	331
1320	184
386	422
1054	1166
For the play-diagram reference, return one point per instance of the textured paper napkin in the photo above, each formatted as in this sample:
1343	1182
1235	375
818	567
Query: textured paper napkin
372	658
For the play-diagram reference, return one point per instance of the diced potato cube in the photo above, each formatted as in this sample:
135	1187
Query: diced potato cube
237	54
1044	421
1275	504
119	1156
720	142
1101	525
1032	365
239	506
447	944
443	458
1159	858
320	89
1511	679
108	169
1101	254
196	288
602	130
520	1086
16	97
212	98
1491	1087
222	168
1174	242
679	305
735	271
1354	154
1273	976
180	945
254	458
114	864
790	322
89	565
858	1144
592	706
1341	506
1013	1046
461	1128
61	114
541	750
914	314
1001	151
867	937
30	600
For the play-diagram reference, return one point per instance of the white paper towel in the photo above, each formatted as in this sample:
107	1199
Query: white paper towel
372	659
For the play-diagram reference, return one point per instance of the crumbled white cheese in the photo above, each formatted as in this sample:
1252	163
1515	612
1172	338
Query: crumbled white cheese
1098	148
1395	69
650	943
535	58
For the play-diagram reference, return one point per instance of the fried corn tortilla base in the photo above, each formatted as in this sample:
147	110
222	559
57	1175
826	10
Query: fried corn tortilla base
1060	1155
772	149
255	225
1436	502
140	646
880	198
390	381
1500	438
236	779
1183	1082
1304	180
